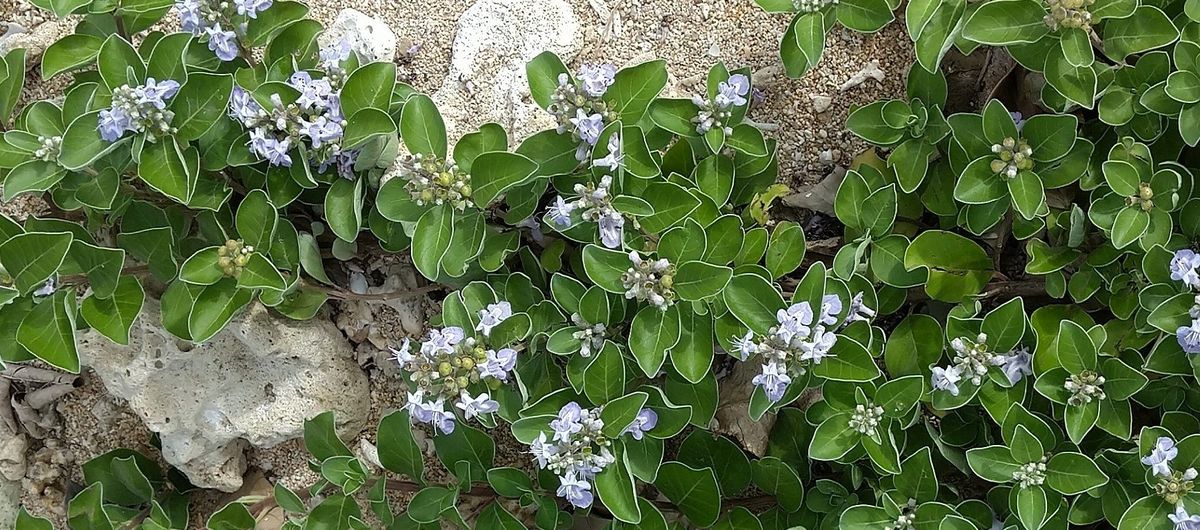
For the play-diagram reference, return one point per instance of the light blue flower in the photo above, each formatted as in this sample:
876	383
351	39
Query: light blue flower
1183	520
588	127
595	79
1183	267
321	131
273	150
476	406
1161	455
774	380
190	18
113	123
946	379
251	8
612	224
1189	337
498	364
646	420
576	491
222	43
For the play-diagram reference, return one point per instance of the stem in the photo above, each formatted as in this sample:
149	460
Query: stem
343	294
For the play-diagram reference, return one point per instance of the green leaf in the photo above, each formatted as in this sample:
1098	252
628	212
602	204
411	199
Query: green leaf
48	331
114	316
25	521
616	489
70	52
116	60
543	72
344	208
214	306
321	439
957	266
431	239
1147	28
605	378
1147	513
728	462
634	87
32	175
234	516
466	444
605	267
165	167
366	125
785	251
369	86
496	172
422	128
256	219
201	101
697	280
32	258
672	203
754	301
1130	224
86	509
259	273
653	333
82	144
979	184
865	16
833	438
777	478
1073	473
268	23
1003	22
694	491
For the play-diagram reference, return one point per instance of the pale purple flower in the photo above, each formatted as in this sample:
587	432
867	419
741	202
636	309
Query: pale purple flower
1183	267
614	157
222	43
541	450
774	380
560	211
576	491
443	420
946	379
1161	455
535	228
251	8
402	356
1189	337
47	288
416	407
1018	120
745	346
314	93
596	79
272	149
611	226
155	93
1017	364
567	422
242	106
859	312
818	347
333	55
113	123
831	307
442	340
476	406
588	127
732	93
343	160
492	315
498	364
321	131
190	18
1183	520
646	420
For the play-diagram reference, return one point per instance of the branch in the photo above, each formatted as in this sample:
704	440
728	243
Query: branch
343	294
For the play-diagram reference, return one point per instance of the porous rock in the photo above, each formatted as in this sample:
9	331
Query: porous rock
254	383
486	81
367	35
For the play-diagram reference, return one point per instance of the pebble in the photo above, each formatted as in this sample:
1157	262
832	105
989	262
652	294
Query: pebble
820	103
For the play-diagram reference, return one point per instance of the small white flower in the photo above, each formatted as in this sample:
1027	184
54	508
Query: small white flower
492	316
946	379
476	406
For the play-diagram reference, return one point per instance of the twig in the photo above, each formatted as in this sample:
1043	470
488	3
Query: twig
342	294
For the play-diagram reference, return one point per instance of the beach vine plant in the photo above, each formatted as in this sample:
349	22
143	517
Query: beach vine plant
1006	337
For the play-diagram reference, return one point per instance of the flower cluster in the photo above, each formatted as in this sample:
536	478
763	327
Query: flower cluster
232	256
431	180
1084	387
1184	267
972	359
1068	14
1012	155
139	109
650	281
451	366
801	336
315	116
715	112
594	204
222	21
1031	474
1172	485
865	419
810	6
591	337
579	108
50	147
577	449
907	519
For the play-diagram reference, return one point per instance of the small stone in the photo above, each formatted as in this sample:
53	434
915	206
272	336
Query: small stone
714	50
820	103
870	71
